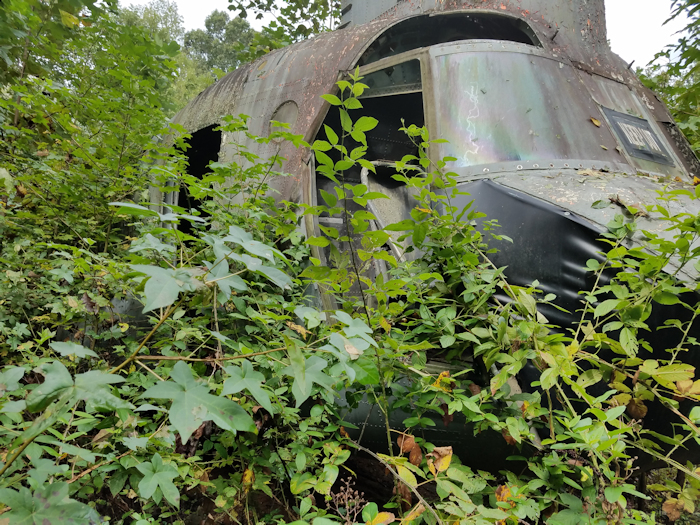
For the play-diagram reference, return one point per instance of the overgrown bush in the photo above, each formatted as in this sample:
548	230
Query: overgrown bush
217	400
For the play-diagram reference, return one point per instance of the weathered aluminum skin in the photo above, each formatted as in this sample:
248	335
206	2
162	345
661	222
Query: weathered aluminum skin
572	33
300	73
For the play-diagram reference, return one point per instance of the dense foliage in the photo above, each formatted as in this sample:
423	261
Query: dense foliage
292	21
674	73
149	375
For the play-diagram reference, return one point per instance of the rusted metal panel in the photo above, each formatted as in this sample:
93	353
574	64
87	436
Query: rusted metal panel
299	73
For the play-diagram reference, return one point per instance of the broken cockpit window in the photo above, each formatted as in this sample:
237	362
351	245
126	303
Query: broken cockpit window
430	30
394	97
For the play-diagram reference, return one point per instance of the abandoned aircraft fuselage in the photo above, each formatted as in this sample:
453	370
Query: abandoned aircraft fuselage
526	92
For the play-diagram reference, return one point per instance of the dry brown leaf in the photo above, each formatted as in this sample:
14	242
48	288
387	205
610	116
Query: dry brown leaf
637	409
416	455
447	418
385	324
248	479
673	508
684	387
352	351
90	305
406	443
591	173
475	389
678	179
503	493
42	153
298	329
443	382
102	435
382	518
405	496
204	478
596	122
509	439
415	512
439	459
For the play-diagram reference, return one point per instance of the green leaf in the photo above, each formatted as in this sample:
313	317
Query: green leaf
245	240
571	501
57	382
157	475
68	19
117	481
128	208
312	374
605	307
332	135
49	504
613	494
629	342
301	482
369	512
666	298
447	340
149	242
164	285
135	443
321	242
669	374
345	121
352	103
245	378
254	264
567	517
66	349
589	377
332	99
192	404
366	371
366	124
9	379
93	388
43	468
330	199
278	277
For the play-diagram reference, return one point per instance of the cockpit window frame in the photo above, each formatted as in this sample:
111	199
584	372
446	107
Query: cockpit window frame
525	28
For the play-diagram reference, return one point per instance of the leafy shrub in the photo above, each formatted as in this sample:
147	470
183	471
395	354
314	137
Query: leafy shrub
219	395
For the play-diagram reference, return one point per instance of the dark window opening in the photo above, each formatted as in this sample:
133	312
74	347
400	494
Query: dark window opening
385	144
425	31
205	146
395	80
